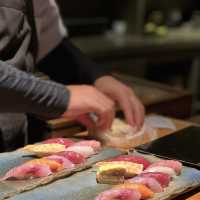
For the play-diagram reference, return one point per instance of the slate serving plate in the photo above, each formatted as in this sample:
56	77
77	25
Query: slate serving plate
10	160
83	186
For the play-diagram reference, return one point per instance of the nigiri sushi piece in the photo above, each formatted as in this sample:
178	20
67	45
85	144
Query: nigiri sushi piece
119	194
63	161
91	143
26	171
44	149
53	165
166	170
142	189
162	178
86	151
131	158
74	157
131	169
175	165
63	141
151	183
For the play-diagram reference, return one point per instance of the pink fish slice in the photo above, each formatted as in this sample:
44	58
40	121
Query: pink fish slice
86	151
151	183
119	194
64	161
63	141
27	171
162	178
132	158
91	143
74	157
175	165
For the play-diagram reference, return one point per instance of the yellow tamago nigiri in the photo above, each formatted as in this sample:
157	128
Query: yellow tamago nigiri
130	169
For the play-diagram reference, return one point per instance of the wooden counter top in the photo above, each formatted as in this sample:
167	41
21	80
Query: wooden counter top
195	197
103	47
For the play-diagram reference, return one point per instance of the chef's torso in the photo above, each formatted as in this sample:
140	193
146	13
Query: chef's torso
49	25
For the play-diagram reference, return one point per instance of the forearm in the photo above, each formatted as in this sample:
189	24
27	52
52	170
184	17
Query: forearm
22	92
73	65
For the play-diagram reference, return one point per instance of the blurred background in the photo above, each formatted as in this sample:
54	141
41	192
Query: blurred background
152	45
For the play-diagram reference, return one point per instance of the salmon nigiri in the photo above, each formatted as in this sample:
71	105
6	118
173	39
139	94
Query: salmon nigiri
67	164
151	183
142	189
53	165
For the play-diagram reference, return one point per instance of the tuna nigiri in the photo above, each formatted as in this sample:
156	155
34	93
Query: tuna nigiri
166	170
142	189
119	194
151	183
162	178
63	141
175	165
63	161
53	165
28	171
91	143
131	158
86	151
74	157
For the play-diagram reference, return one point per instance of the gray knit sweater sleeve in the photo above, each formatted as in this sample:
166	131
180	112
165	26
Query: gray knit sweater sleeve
22	92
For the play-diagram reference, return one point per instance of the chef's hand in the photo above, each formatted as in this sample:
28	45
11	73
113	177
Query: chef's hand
132	107
85	100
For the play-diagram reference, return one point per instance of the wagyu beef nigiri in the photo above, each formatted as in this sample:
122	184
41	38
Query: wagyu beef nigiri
119	194
162	178
28	171
63	141
74	157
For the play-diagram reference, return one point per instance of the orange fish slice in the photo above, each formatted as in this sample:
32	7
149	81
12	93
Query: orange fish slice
144	191
53	165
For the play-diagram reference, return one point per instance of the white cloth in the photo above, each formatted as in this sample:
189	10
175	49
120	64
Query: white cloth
49	25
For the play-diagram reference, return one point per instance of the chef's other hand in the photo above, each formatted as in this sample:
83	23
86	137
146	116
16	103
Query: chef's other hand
85	100
129	103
